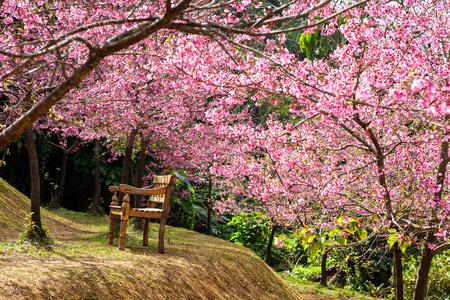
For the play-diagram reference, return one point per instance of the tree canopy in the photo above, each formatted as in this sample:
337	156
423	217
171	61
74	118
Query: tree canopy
361	125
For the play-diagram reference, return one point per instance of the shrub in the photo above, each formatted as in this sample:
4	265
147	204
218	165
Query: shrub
252	231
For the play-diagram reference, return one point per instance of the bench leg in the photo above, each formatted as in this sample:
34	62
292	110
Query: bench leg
123	232
145	241
162	227
112	221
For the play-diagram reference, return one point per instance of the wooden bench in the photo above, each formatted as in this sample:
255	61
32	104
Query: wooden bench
158	192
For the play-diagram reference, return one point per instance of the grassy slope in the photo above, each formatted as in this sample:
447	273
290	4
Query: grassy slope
82	266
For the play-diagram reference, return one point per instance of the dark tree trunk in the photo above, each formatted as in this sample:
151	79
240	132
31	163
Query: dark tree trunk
209	208
140	166
323	277
398	272
126	170
96	200
56	202
127	160
35	180
139	222
424	269
269	246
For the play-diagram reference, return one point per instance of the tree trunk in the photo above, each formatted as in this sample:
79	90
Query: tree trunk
209	208
127	160
398	272
139	222
269	246
96	200
35	180
56	202
323	277
126	170
140	166
424	269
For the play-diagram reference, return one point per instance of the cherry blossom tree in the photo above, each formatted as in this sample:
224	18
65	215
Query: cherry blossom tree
60	44
375	130
372	140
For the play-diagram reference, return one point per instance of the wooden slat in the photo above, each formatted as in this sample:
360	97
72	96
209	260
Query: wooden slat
159	181
145	214
149	209
115	210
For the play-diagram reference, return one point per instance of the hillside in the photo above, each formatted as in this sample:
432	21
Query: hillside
81	265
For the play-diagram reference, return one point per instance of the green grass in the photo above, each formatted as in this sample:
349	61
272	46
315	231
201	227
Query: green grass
331	292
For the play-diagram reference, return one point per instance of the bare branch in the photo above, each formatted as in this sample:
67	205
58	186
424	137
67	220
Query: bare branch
48	50
133	9
16	70
348	146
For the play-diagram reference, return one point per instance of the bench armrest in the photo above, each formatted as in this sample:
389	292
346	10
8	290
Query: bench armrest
125	188
113	188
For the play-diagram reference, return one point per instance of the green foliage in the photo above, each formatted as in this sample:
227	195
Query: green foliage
438	278
306	272
396	237
182	212
377	291
368	269
317	46
252	231
294	252
308	43
201	203
317	241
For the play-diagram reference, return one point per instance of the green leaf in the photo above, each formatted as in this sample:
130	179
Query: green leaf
392	239
334	232
103	170
350	230
310	237
322	242
314	251
341	240
404	246
354	226
308	44
340	221
362	233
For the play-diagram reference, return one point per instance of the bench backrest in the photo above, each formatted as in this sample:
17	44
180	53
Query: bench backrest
160	181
